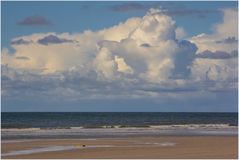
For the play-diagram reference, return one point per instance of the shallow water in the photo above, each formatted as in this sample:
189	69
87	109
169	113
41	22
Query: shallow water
63	148
38	150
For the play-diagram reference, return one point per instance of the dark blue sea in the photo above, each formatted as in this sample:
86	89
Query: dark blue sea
104	125
99	119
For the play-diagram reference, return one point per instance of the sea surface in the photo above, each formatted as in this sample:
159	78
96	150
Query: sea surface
18	125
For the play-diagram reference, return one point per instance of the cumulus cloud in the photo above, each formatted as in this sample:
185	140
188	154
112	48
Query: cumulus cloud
226	33
217	70
184	59
141	57
104	63
34	21
156	49
122	66
216	58
229	26
153	34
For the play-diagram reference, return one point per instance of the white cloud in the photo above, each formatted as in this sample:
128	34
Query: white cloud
218	51
215	69
152	49
105	64
228	28
180	33
119	46
120	31
122	66
154	27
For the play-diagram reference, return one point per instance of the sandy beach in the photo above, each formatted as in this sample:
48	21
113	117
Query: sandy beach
137	147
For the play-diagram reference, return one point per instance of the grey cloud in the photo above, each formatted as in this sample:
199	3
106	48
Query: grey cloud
145	45
22	58
20	42
131	6
170	90
234	53
18	83
52	39
169	8
74	86
189	12
34	21
228	40
217	54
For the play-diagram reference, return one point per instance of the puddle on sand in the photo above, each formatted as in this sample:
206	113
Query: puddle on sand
51	149
38	150
62	148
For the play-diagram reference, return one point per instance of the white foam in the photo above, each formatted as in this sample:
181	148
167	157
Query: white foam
193	126
76	127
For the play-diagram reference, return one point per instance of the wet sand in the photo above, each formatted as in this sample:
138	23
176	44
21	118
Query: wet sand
137	147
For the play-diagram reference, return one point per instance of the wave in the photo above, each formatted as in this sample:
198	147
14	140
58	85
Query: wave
174	126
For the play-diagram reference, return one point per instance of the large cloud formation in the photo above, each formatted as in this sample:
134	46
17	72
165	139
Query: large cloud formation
217	52
141	57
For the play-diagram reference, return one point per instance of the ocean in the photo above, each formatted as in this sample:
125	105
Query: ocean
99	119
109	124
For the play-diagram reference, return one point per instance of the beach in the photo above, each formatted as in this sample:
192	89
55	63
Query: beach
119	135
127	147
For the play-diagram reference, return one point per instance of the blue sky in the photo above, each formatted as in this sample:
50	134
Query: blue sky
196	56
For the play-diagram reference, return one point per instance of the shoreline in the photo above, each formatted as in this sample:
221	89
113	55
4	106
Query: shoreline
76	132
158	141
131	147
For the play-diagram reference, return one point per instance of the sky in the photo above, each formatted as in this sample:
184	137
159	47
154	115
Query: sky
119	56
